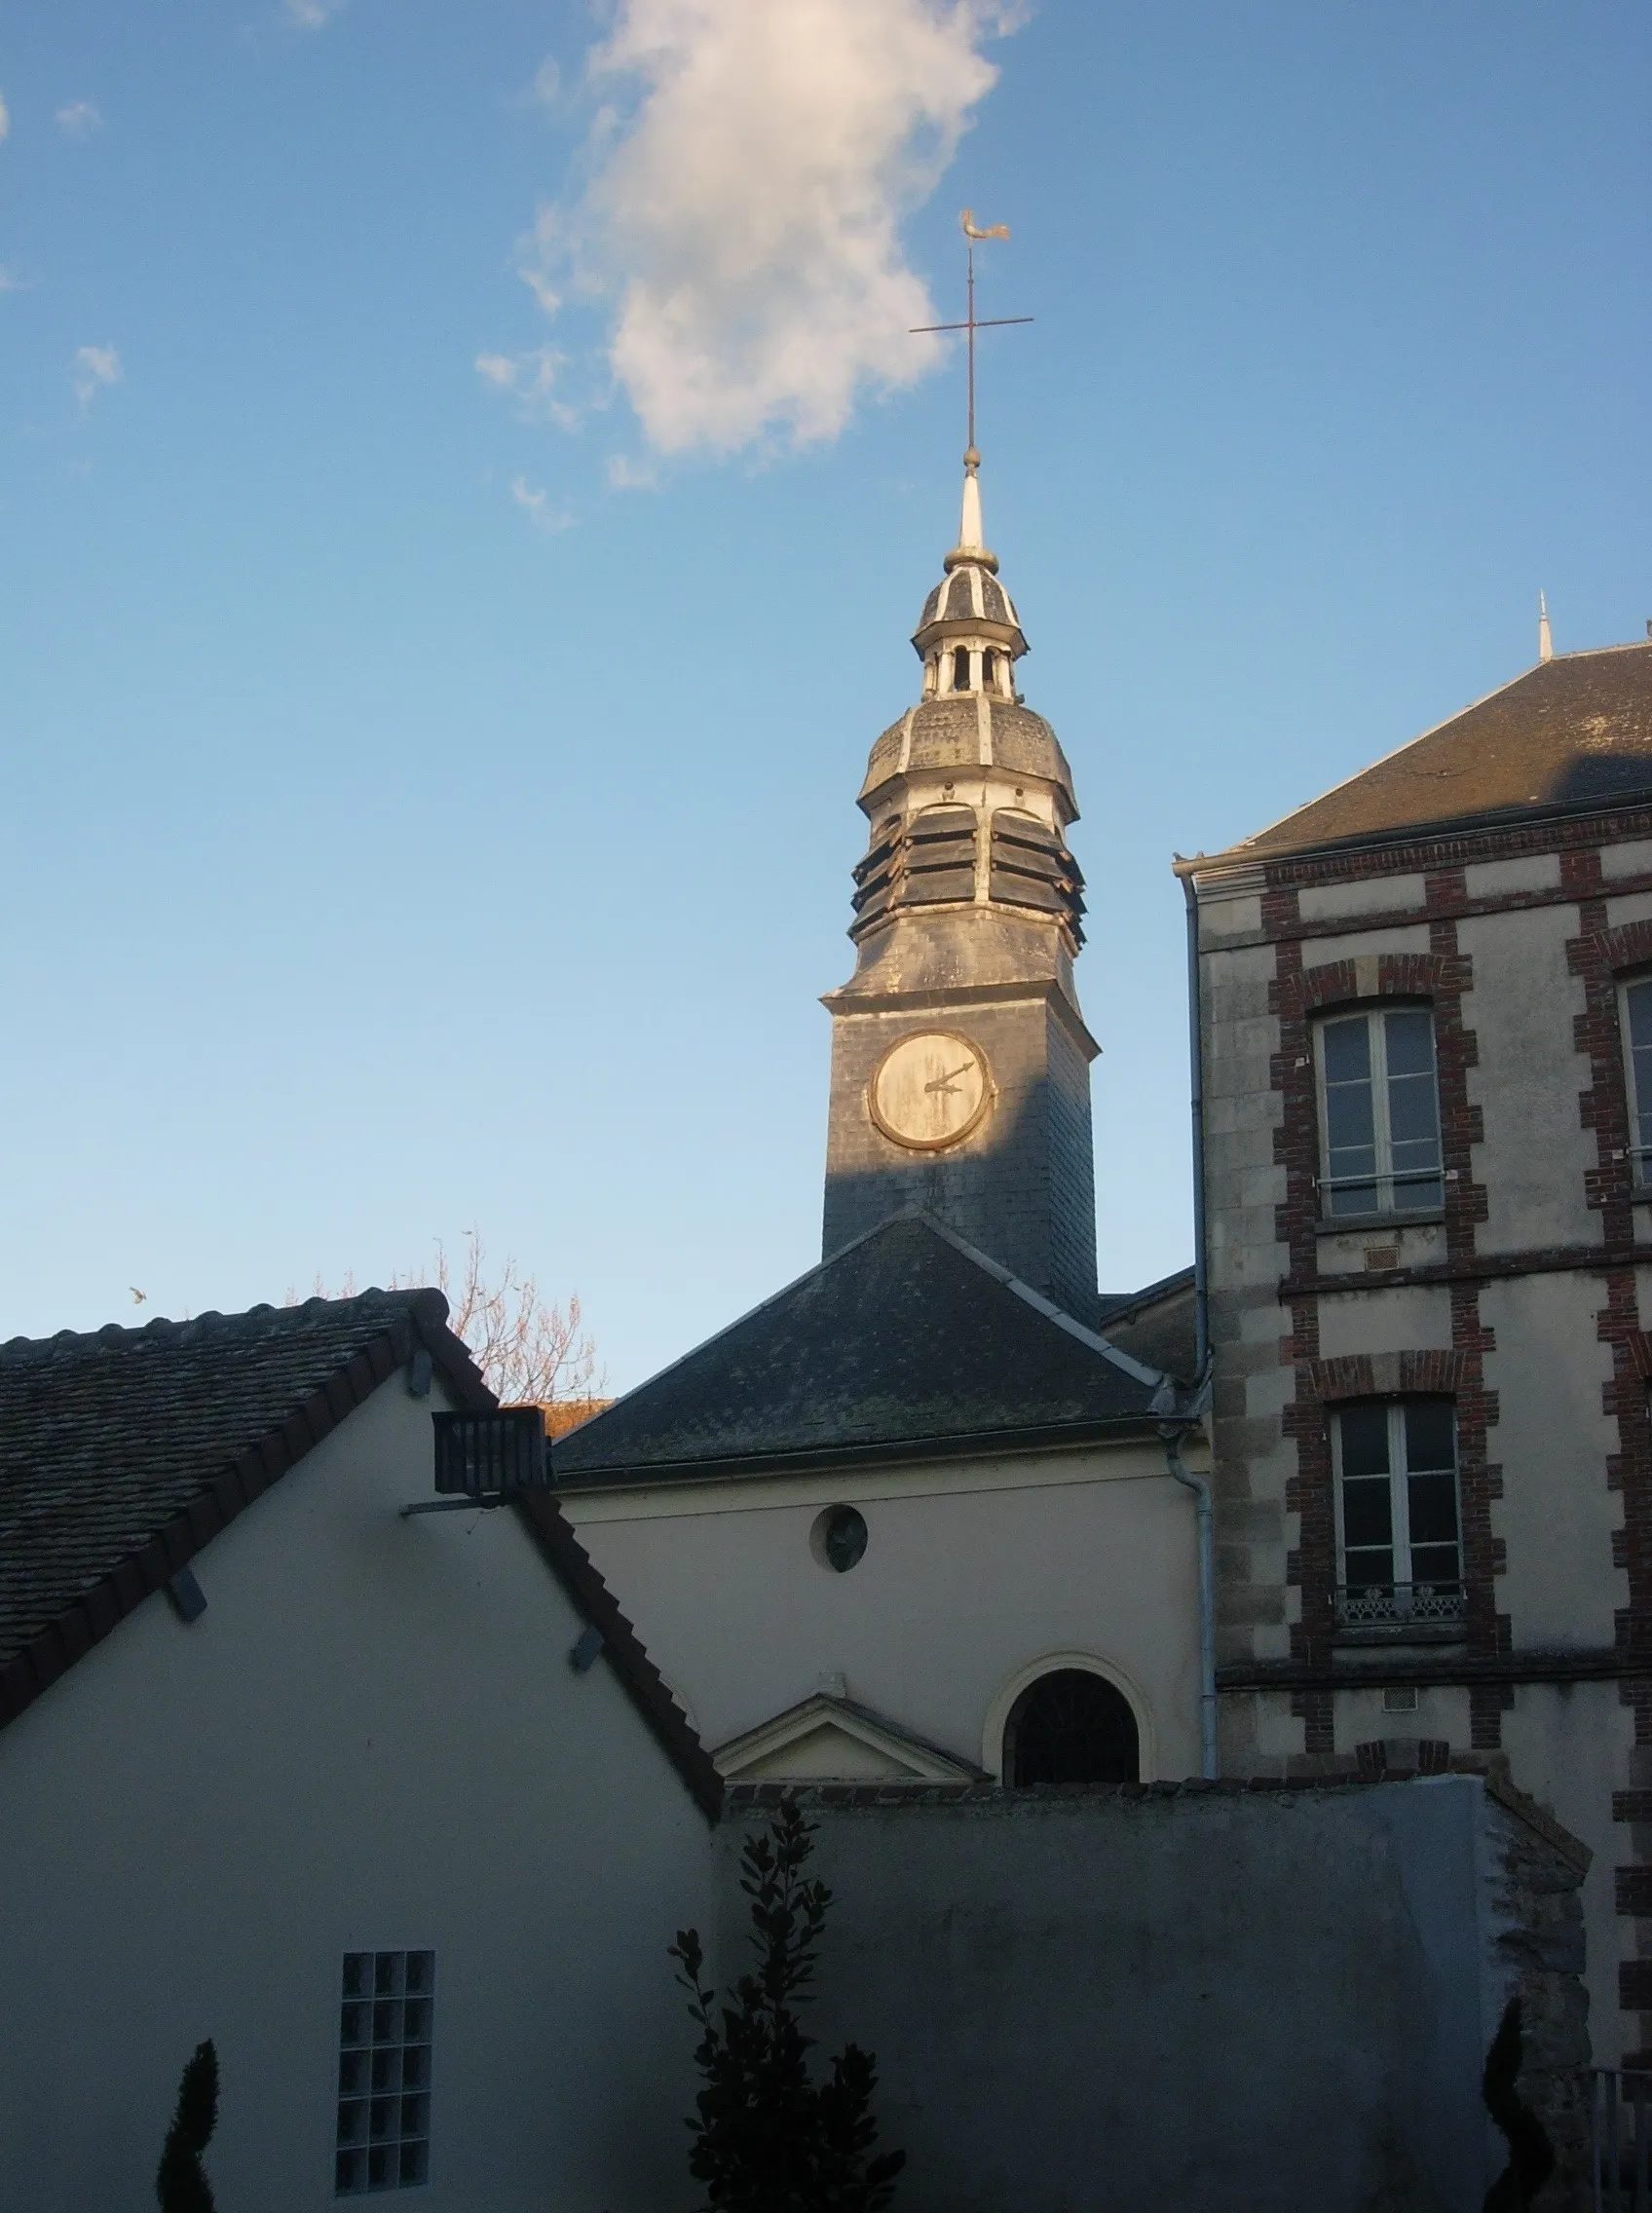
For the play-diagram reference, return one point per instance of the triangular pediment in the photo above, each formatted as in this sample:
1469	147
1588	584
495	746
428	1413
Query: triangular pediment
826	1738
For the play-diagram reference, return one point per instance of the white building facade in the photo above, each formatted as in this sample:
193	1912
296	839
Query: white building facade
358	1821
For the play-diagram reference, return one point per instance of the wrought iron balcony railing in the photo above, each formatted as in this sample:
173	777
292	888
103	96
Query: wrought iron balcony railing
1391	1605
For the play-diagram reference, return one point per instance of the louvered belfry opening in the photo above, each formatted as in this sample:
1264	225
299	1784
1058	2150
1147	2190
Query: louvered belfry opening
928	860
1031	867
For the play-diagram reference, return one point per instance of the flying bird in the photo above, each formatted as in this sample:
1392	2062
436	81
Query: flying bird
137	1296
993	230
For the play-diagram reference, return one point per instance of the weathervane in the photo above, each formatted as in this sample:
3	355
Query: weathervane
972	324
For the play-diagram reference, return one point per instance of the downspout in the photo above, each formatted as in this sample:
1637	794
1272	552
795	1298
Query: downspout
1203	1502
1200	1487
1197	1081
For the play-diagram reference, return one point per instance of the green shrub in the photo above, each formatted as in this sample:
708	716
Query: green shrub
768	2138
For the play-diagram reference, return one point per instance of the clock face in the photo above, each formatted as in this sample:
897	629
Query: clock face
930	1090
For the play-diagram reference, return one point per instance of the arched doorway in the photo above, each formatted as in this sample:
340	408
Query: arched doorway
1072	1726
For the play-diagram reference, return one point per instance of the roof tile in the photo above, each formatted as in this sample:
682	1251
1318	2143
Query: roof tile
1572	733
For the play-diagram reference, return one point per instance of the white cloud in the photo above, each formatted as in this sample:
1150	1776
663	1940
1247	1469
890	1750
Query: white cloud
539	512
10	281
79	120
546	86
530	379
94	366
5	116
627	475
743	219
312	14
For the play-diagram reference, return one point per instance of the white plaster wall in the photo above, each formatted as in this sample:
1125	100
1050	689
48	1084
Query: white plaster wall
1417	1245
1531	872
972	1573
1570	1746
1370	945
1628	907
1633	857
1367	895
1417	1319
1227	2004
371	1739
1555	1516
1527	1084
1230	918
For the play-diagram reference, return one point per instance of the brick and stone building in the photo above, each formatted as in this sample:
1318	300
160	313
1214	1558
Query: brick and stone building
1426	1095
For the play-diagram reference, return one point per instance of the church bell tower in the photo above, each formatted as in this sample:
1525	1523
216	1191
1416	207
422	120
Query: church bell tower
960	1062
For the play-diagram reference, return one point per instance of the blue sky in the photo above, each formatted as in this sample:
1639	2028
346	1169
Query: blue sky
430	721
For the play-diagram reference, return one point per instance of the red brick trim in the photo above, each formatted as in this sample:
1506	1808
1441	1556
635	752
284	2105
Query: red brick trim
1634	1986
1386	1376
1633	1890
1335	982
1441	975
56	1648
1452	849
1480	1267
1630	946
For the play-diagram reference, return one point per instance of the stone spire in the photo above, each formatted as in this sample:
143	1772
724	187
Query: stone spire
968	915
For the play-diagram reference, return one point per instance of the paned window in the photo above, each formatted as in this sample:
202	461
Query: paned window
1638	1043
1379	1111
1072	1726
384	2072
1397	1499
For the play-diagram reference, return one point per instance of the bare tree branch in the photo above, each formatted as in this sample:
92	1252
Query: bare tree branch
530	1350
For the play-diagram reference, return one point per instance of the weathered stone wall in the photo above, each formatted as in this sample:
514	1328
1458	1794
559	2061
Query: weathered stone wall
1193	1994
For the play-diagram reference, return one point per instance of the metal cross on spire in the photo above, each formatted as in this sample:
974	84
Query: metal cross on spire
972	322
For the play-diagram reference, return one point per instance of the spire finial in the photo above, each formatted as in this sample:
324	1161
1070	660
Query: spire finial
971	323
1545	641
970	536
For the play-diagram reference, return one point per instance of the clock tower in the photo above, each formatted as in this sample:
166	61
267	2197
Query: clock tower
960	1063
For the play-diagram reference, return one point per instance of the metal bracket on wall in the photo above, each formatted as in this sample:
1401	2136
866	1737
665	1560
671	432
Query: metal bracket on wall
189	1600
583	1657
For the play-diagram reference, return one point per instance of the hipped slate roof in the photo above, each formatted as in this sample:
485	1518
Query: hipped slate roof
908	1343
124	1453
1571	734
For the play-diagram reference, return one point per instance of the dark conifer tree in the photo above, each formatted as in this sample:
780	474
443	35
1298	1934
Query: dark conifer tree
1531	2155
180	2180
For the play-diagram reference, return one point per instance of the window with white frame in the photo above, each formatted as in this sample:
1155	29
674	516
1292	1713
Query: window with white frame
384	2072
1636	1014
1398	1533
1379	1112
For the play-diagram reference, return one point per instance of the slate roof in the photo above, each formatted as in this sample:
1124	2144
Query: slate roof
947	734
124	1453
908	1343
1572	734
1155	1324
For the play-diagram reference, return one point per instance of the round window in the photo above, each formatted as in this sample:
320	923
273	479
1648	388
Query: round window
838	1539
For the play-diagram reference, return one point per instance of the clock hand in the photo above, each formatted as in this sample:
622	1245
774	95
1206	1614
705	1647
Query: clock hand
945	1083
